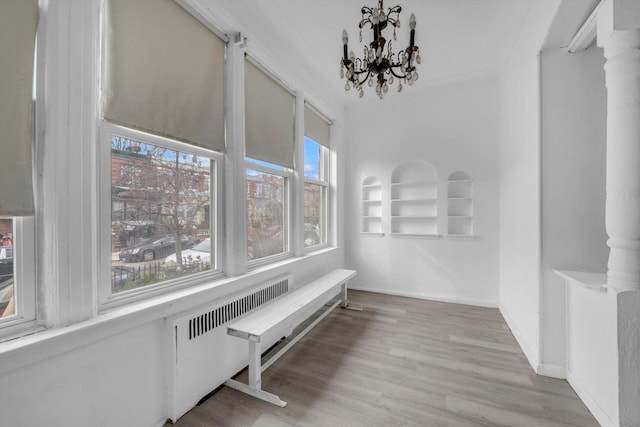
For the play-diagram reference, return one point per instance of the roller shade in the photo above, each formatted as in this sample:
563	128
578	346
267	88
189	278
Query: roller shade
269	118
315	127
163	72
18	23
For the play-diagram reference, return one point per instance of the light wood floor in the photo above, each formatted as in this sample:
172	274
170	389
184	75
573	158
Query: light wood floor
402	362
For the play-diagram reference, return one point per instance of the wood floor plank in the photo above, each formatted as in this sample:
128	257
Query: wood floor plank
402	362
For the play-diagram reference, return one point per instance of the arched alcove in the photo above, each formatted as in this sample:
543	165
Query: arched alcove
459	204
371	206
414	200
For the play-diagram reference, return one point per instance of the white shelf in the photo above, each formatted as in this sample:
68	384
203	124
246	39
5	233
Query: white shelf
410	183
461	237
416	236
372	217
459	180
459	198
430	199
372	201
372	186
371	234
431	217
460	216
585	279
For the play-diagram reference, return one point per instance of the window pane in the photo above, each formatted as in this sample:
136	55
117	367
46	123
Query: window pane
266	221
160	216
7	301
314	229
312	169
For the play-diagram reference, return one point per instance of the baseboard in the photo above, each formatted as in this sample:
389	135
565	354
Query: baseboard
464	301
531	355
591	404
553	371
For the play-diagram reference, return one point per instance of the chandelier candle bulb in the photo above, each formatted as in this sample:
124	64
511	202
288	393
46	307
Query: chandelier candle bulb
376	61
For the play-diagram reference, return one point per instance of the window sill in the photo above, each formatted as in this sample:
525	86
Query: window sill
44	344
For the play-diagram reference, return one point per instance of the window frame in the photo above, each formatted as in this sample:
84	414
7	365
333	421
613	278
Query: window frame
324	174
287	175
24	279
106	298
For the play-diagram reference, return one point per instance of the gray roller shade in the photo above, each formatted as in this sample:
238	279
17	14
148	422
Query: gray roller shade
163	72
269	118
18	23
315	127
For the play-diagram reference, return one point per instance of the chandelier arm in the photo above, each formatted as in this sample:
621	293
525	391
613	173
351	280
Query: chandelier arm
398	76
357	77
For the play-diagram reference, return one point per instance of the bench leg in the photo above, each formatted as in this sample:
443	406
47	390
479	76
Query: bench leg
254	388
345	302
255	369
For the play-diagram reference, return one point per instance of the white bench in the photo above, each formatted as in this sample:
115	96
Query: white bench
257	324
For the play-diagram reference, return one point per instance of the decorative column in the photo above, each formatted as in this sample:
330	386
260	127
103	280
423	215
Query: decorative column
619	35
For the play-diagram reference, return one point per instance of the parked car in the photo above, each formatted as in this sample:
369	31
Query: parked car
121	274
199	256
156	247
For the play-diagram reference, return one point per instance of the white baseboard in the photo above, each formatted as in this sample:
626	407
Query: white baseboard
465	301
600	415
553	371
531	355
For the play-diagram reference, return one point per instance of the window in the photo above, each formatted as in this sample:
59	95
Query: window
267	210
315	193
17	281
162	210
7	290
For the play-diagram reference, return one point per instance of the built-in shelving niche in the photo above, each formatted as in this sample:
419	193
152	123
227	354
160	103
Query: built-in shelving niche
371	207
460	206
414	200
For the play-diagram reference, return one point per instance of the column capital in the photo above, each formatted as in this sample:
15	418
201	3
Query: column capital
617	16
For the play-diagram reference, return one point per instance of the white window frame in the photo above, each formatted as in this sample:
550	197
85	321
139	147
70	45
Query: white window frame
106	298
287	174
323	180
24	277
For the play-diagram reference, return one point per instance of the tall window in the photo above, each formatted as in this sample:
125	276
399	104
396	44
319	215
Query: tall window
315	192
269	126
316	177
162	211
18	24
163	192
267	210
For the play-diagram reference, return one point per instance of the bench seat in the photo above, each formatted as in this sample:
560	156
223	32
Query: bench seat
256	325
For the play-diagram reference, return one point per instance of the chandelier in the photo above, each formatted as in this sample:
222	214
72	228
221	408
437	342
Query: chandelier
379	65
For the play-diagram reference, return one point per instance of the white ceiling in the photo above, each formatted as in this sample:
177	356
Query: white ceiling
457	38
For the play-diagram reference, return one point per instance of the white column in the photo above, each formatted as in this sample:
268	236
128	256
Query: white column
619	34
235	261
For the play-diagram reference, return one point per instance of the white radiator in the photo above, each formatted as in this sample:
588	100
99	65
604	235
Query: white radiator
203	356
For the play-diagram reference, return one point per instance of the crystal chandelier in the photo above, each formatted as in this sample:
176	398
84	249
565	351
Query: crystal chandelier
379	65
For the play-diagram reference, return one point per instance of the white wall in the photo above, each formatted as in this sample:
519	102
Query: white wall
454	127
520	204
573	182
520	182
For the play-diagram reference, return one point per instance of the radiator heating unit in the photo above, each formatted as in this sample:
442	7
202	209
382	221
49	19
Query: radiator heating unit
203	356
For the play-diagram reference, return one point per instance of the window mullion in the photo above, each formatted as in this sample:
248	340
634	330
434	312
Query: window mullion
235	204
